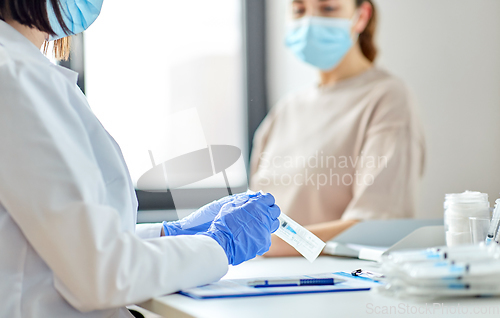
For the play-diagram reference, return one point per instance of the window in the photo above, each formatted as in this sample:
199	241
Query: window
145	63
138	65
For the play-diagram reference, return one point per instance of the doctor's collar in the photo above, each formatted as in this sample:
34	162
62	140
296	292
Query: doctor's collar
17	43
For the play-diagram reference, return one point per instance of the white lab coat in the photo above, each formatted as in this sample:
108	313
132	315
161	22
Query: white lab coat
69	246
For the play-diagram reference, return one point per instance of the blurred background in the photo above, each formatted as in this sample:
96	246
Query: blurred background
448	53
227	59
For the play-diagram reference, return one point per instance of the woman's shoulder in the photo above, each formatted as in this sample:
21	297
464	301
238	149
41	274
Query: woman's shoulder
393	102
389	95
385	82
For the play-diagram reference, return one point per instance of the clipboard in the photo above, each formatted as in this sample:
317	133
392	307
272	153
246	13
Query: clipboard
232	288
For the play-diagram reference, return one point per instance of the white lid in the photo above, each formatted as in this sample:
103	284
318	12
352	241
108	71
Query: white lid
467	197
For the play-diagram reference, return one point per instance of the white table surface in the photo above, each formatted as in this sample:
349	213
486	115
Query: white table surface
346	304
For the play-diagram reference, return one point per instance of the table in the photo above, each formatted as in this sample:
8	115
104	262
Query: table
347	304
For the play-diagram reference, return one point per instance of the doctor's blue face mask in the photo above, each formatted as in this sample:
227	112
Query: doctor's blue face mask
78	15
320	41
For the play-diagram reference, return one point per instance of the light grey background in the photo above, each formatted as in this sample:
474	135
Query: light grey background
448	52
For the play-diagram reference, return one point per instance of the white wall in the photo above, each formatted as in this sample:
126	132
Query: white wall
448	52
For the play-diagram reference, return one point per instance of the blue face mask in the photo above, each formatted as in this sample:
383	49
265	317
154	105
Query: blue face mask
319	41
77	14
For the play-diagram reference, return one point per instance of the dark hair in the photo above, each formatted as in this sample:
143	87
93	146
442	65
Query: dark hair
366	38
33	13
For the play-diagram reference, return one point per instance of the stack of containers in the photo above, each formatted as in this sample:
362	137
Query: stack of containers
457	270
458	208
466	270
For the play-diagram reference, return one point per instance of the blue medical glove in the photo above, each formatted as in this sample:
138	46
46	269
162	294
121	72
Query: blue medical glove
243	229
200	220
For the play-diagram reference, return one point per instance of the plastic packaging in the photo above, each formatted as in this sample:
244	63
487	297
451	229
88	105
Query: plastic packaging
306	243
459	207
471	270
458	253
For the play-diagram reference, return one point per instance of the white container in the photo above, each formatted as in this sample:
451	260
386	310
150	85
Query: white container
458	208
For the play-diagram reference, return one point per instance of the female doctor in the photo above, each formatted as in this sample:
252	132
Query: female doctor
68	239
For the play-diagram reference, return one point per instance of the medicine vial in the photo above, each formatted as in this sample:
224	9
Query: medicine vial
458	208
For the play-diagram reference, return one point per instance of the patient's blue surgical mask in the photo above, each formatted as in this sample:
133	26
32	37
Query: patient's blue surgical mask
320	41
77	14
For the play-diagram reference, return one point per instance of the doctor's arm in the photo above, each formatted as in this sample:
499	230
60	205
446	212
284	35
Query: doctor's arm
52	187
198	221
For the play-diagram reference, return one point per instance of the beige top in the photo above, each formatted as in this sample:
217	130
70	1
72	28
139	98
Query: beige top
352	150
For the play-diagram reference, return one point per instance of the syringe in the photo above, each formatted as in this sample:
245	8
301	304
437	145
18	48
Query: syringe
495	221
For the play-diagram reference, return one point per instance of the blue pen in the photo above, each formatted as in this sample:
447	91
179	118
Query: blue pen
294	282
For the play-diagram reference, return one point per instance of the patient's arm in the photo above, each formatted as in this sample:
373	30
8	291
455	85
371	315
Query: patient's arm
325	231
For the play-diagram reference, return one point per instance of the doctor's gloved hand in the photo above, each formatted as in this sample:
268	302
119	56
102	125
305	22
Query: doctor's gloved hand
200	220
244	230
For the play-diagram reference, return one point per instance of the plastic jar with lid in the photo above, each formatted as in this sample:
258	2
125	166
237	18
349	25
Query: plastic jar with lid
458	208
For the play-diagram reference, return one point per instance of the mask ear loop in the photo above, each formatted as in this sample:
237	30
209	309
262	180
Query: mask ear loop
354	20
